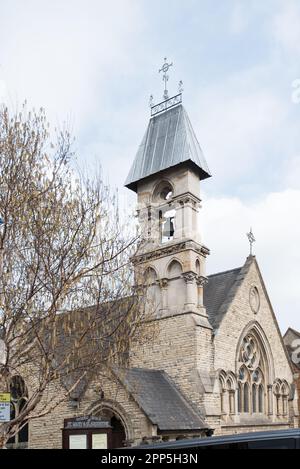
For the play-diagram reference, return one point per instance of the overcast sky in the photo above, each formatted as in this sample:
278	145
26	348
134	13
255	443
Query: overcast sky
94	64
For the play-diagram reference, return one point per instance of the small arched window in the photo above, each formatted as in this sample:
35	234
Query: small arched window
284	392
223	406
222	387
254	407
246	398
175	269
163	192
19	398
261	398
277	396
239	398
150	276
153	295
167	225
198	267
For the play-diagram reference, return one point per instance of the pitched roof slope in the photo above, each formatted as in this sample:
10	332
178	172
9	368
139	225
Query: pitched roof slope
161	401
169	141
221	290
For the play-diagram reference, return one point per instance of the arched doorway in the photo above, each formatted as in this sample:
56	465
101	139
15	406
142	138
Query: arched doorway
121	427
118	435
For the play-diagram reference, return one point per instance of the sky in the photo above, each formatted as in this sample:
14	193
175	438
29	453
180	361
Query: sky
93	64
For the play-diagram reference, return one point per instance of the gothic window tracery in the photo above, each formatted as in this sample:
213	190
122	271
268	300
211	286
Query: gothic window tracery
251	376
281	392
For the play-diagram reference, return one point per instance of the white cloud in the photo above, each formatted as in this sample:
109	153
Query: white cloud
239	18
2	89
239	124
285	26
59	54
225	222
292	173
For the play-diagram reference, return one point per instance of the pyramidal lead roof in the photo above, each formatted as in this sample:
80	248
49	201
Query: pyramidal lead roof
169	140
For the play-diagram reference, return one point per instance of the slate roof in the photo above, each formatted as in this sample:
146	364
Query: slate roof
291	335
169	140
220	291
161	401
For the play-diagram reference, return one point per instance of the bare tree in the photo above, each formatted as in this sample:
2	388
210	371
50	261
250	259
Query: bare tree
67	306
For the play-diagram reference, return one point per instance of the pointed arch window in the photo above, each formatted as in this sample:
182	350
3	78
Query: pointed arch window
254	398
239	398
252	375
223	407
261	399
284	393
246	398
153	293
163	196
19	396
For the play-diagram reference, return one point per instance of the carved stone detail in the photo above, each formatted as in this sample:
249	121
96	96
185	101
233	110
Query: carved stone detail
170	250
163	283
201	281
189	277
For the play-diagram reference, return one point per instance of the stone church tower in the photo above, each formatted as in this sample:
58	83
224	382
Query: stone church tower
166	176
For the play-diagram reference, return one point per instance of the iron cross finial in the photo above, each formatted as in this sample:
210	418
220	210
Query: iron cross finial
165	69
252	240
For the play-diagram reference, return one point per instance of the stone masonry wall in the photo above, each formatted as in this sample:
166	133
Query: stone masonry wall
46	432
178	351
238	317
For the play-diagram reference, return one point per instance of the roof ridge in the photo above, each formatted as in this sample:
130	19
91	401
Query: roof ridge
292	330
225	272
152	370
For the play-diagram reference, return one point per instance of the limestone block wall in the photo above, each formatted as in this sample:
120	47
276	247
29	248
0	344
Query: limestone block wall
236	320
46	432
235	324
178	348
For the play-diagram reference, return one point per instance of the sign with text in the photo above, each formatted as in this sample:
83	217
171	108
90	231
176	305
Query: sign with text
4	407
78	442
99	441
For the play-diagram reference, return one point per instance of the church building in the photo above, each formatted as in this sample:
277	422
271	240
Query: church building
217	364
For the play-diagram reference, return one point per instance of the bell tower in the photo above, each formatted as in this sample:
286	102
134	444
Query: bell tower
166	175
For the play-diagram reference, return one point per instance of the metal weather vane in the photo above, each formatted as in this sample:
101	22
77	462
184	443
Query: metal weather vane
167	102
252	240
165	68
